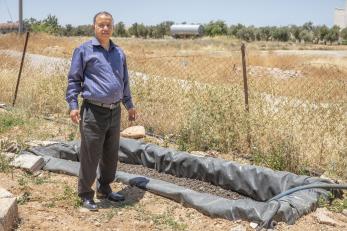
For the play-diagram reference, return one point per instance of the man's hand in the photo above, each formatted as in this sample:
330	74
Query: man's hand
75	116
132	114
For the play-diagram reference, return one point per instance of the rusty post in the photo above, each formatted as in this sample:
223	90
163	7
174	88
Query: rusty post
245	87
21	67
244	70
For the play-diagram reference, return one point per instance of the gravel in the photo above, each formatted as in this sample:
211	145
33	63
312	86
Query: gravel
196	185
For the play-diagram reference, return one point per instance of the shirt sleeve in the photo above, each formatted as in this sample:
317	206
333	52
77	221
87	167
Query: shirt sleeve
75	79
127	99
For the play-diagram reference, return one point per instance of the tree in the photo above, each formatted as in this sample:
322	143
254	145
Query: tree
142	30
233	29
308	26
344	34
295	31
28	23
50	24
264	33
216	28
280	34
161	30
247	33
333	34
167	25
68	30
84	30
133	30
306	36
119	30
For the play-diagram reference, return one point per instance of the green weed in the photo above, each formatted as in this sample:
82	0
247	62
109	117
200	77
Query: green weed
70	197
24	198
282	156
5	166
168	221
9	120
333	204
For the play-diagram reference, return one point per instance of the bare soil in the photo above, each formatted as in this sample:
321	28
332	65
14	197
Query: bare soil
196	185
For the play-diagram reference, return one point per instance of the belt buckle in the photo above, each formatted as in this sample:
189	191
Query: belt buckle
112	106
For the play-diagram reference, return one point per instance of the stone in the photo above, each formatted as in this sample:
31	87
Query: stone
344	212
5	194
238	228
28	162
83	210
36	143
322	217
12	147
253	225
134	132
8	213
199	153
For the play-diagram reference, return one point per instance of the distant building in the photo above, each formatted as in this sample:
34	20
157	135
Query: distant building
186	30
340	17
9	27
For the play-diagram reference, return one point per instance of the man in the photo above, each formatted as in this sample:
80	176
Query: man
99	72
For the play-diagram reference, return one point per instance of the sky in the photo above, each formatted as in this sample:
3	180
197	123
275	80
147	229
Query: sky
152	12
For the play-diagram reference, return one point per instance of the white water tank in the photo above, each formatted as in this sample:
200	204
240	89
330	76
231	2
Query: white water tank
186	30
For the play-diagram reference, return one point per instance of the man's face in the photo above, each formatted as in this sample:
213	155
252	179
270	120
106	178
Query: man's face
103	27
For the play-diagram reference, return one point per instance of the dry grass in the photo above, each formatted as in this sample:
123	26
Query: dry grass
40	43
192	91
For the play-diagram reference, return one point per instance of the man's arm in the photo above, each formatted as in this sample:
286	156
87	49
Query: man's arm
127	99
74	87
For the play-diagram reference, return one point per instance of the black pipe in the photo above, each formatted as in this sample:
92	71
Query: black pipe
324	186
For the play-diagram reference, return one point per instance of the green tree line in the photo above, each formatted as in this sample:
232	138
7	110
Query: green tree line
308	32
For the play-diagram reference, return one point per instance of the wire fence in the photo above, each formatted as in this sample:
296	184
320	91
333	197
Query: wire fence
297	115
297	110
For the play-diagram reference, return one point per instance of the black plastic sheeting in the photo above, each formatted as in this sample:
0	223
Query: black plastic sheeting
257	183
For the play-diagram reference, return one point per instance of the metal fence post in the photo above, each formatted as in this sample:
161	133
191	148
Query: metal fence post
245	81
21	67
245	88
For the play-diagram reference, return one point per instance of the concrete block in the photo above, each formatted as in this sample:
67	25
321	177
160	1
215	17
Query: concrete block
5	194
8	213
28	162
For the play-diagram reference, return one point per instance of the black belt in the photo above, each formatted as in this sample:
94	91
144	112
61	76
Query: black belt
104	105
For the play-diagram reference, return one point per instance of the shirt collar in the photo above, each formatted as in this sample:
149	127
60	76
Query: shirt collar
95	42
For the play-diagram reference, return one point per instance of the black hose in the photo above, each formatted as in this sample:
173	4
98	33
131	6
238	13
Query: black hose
324	186
269	223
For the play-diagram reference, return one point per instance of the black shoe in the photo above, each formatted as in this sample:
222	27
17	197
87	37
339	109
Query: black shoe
89	204
112	196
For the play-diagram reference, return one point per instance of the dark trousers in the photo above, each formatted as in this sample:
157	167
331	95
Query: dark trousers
100	131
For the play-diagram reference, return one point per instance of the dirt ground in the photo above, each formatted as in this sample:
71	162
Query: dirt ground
196	185
47	201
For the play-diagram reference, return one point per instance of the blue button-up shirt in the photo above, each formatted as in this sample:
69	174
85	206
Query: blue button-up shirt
99	75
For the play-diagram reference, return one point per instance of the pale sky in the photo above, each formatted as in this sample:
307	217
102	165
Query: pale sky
151	12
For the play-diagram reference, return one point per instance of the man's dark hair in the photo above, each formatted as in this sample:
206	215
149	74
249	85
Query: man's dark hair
102	13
